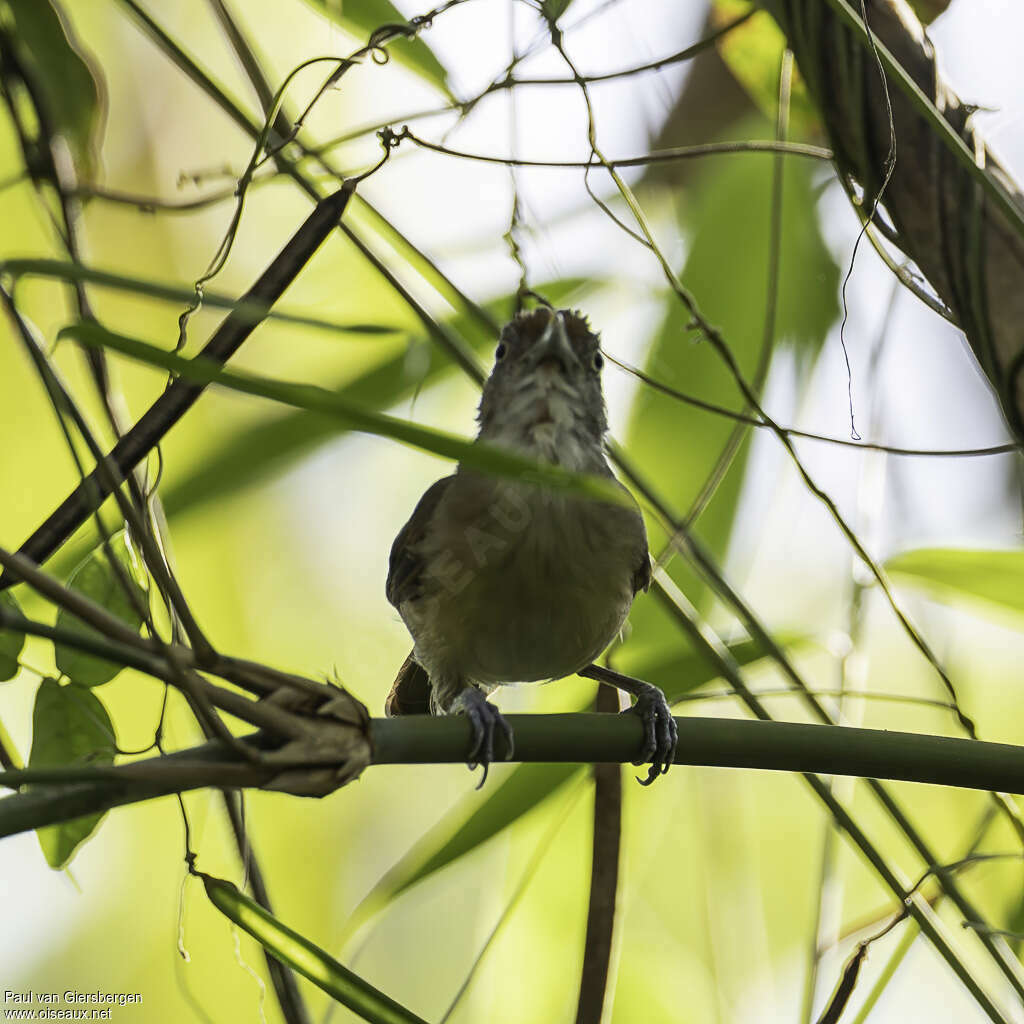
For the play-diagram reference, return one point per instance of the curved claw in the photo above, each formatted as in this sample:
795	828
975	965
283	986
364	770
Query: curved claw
484	718
660	733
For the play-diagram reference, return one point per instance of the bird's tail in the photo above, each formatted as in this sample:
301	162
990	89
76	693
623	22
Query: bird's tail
410	692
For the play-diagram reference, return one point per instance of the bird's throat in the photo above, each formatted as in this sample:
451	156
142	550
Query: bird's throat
547	423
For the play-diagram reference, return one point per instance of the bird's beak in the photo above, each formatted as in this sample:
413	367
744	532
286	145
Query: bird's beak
554	345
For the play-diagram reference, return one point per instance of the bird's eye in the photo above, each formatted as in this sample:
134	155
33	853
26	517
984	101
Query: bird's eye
598	360
499	353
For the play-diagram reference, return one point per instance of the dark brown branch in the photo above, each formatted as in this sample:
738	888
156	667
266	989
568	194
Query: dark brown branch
604	880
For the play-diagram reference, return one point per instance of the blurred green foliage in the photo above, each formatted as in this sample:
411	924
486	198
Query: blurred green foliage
364	17
993	578
70	87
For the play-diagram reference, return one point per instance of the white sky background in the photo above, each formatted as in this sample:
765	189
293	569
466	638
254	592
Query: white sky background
929	394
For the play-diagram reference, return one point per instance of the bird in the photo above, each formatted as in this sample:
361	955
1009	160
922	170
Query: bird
500	580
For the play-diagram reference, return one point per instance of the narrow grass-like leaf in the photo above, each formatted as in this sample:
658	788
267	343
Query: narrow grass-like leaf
363	17
11	641
70	85
69	726
995	577
97	580
462	831
303	956
267	449
486	458
175	293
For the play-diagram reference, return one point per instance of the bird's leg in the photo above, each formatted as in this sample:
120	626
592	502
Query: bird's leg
484	718
660	731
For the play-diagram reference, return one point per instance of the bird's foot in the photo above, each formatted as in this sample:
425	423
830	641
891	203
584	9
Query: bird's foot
660	732
484	720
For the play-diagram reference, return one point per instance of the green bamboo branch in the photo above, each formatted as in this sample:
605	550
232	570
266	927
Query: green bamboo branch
560	738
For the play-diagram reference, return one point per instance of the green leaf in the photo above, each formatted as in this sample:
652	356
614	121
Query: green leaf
488	458
11	641
68	81
64	271
267	449
554	9
312	962
995	577
463	830
928	10
97	580
69	726
753	53
363	17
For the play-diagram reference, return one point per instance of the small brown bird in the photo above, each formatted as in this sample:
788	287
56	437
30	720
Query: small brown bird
501	581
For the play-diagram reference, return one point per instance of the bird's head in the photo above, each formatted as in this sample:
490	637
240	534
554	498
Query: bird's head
546	383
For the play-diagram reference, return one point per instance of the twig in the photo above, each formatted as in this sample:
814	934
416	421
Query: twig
657	157
805	435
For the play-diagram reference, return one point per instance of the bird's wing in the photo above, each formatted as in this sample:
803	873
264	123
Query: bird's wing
406	562
642	573
633	521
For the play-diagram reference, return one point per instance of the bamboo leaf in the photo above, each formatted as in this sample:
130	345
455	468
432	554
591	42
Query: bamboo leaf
467	827
308	959
175	293
98	581
70	726
363	17
11	641
486	458
69	83
267	449
994	577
